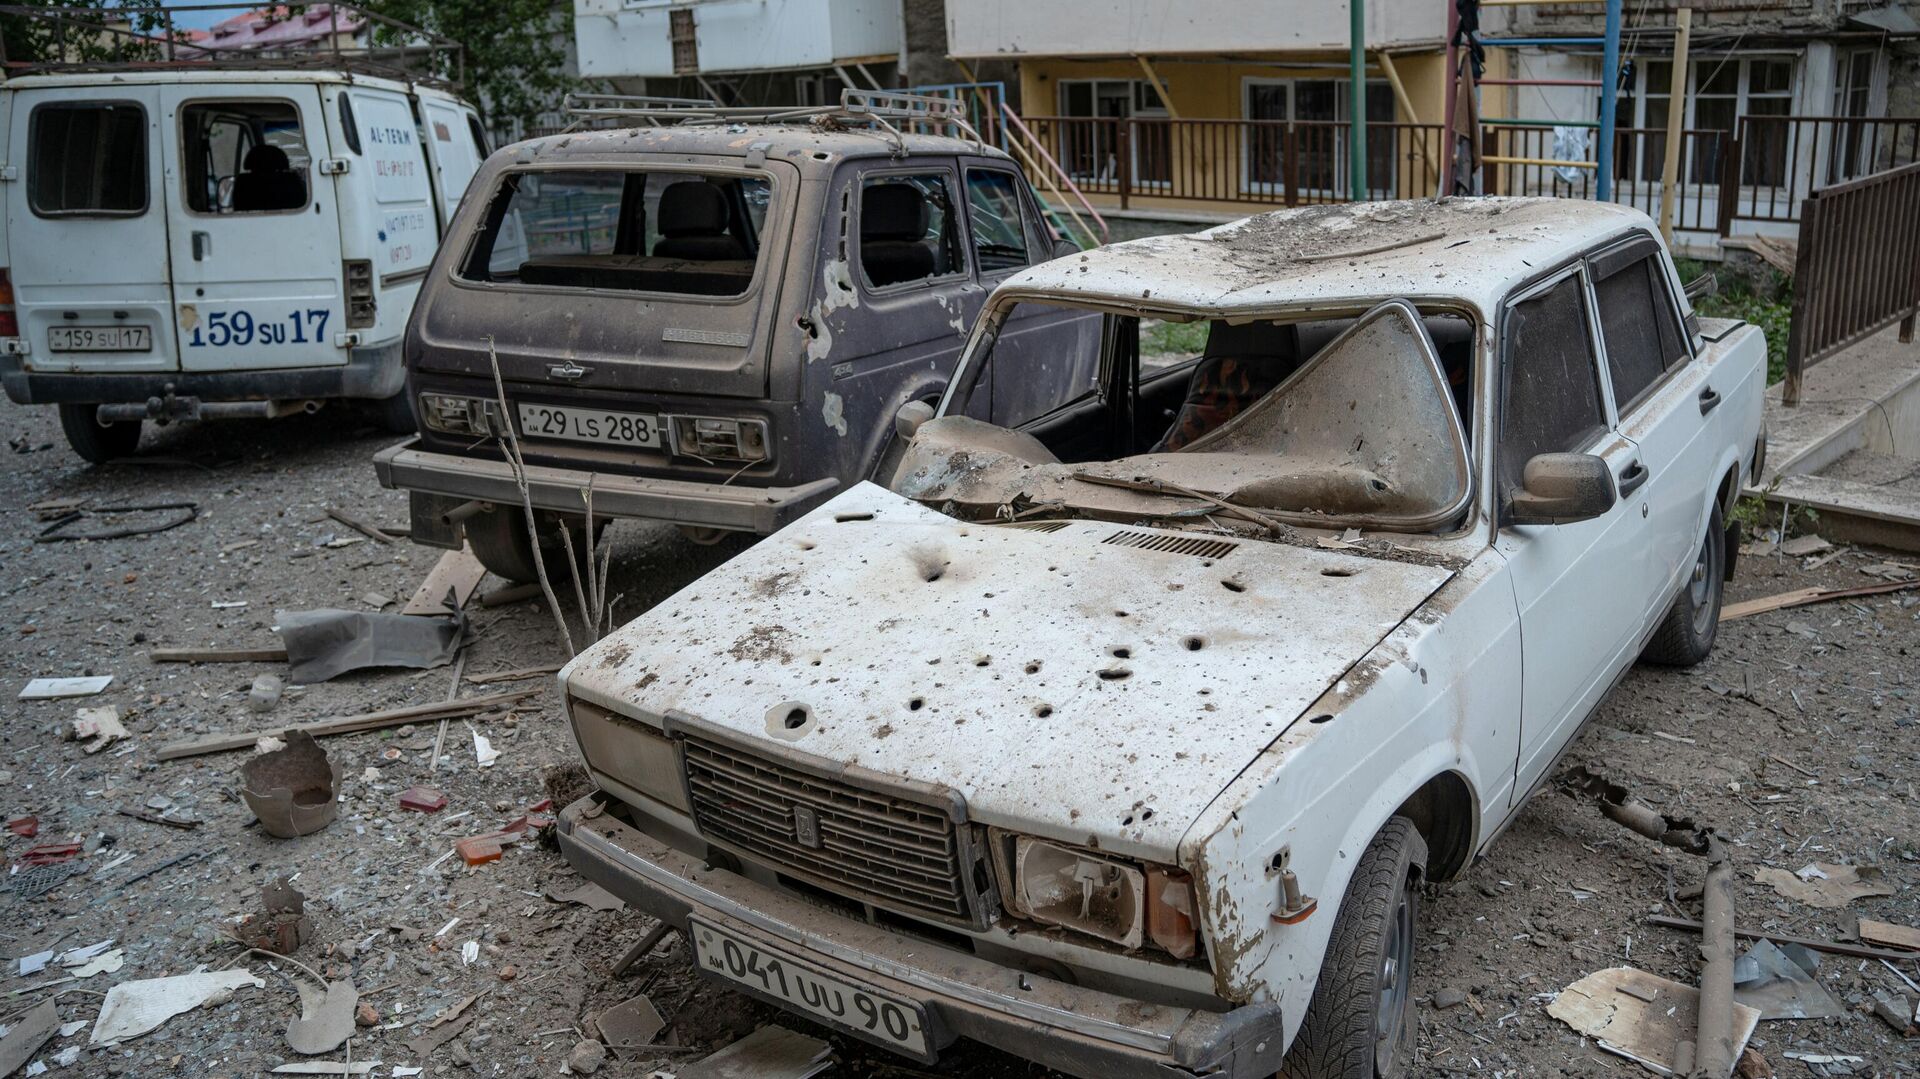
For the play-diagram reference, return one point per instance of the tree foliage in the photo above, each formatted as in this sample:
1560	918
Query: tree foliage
515	51
125	30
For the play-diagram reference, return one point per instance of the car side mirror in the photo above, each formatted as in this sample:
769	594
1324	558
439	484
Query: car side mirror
1560	488
1064	247
907	421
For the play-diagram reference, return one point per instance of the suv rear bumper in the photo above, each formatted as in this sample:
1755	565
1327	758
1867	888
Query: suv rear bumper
374	372
1080	1031
684	502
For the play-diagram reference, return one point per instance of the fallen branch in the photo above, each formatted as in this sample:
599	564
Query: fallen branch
511	447
362	527
1805	596
217	655
516	675
392	717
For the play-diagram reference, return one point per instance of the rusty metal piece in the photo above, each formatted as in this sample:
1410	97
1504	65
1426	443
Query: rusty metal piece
1621	807
281	926
1714	1047
292	790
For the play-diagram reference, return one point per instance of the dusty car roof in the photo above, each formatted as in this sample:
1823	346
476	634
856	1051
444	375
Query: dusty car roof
1471	249
802	142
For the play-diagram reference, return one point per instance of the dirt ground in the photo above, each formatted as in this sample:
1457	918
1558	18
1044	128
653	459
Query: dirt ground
1796	739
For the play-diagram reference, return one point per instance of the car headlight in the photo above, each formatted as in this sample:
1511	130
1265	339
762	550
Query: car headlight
719	438
451	415
626	755
1123	902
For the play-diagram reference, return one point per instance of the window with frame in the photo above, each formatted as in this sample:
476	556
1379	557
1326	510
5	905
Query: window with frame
907	230
1637	324
1721	89
1552	402
244	157
88	158
996	220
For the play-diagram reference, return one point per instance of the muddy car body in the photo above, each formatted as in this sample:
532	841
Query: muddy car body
1103	732
711	322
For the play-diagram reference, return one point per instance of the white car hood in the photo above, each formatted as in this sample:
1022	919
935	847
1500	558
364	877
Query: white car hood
985	658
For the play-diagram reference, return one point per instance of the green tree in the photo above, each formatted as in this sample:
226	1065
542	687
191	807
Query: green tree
75	31
515	52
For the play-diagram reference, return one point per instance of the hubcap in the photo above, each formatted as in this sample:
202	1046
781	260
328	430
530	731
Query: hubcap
1700	588
1395	987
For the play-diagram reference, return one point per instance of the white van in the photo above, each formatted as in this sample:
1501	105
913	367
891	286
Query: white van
204	244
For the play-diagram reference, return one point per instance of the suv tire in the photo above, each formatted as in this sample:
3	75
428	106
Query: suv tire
1360	1022
94	441
499	540
1686	635
396	413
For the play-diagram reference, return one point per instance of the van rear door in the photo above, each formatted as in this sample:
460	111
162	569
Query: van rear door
455	141
255	240
87	229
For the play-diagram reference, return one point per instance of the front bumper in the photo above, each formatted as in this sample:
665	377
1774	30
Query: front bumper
1079	1031
683	502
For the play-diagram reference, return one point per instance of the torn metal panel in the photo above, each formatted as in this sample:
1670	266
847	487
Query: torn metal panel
327	642
1767	980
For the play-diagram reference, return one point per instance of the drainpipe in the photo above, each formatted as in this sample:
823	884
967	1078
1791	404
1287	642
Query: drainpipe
1357	100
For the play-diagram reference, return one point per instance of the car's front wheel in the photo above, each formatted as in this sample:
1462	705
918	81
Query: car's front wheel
1360	1023
97	442
1686	635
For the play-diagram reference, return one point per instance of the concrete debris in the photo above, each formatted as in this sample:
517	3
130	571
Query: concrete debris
586	1057
97	727
47	689
1896	1012
322	644
1825	885
1640	1016
25	1037
1802	546
293	790
139	1007
265	692
422	800
326	1016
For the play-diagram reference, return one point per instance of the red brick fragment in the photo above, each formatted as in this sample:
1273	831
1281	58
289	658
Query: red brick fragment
422	800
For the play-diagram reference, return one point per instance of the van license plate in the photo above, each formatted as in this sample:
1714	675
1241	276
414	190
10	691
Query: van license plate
868	1013
100	339
590	425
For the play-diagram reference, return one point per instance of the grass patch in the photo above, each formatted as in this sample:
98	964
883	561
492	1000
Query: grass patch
1737	298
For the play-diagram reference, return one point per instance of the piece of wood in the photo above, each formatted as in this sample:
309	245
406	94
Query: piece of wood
457	572
392	717
1803	596
514	675
513	593
1643	1017
1833	946
217	655
1889	934
360	526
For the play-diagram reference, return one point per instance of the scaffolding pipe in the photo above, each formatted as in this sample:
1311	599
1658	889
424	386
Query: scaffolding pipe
1609	99
1357	99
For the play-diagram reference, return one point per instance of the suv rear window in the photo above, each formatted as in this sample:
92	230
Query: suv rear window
88	158
677	232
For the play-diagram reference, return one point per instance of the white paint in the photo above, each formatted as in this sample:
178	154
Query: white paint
833	412
836	292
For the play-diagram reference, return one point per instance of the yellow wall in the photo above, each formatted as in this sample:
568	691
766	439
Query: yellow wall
1212	90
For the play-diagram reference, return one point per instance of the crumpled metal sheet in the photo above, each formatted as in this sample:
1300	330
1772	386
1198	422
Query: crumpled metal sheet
292	790
327	642
1765	978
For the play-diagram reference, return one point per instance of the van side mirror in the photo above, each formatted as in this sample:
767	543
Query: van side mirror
907	421
1560	488
1064	247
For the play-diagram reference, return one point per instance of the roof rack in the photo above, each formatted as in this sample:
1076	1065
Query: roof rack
323	36
884	109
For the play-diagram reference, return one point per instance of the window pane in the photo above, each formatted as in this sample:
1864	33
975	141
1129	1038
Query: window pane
1638	327
1769	77
88	159
907	230
1267	101
1553	401
243	157
993	207
1720	75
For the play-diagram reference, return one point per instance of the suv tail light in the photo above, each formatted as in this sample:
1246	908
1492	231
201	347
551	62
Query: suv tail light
9	321
360	301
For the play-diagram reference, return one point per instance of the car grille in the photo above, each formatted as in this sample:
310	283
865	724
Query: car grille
894	853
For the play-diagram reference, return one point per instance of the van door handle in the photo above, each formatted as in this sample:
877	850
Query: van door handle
202	245
1709	400
1635	475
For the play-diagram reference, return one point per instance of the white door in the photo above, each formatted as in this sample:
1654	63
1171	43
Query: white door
455	141
1581	587
87	229
255	236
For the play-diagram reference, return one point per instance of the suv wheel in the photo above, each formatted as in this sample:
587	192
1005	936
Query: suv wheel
396	413
1360	1023
97	442
499	540
1686	635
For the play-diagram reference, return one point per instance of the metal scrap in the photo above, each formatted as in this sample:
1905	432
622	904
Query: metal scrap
328	642
292	790
772	1052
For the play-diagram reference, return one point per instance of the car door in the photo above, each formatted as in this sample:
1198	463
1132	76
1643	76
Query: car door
1579	585
254	236
457	146
87	230
1054	346
1665	401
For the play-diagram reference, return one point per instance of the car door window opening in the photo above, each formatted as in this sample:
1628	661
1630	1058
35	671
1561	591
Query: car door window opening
87	158
1552	401
244	157
907	230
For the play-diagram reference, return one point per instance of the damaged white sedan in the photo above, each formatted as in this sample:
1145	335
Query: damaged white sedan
1120	731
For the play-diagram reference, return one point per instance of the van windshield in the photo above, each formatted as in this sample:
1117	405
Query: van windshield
676	232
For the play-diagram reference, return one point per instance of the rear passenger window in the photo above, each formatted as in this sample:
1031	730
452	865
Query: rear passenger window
88	159
244	157
677	232
907	230
1552	402
1639	328
999	230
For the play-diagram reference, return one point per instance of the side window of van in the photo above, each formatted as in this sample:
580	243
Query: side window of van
88	158
907	230
244	157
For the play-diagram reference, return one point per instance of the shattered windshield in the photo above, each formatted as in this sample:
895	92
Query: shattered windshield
1324	422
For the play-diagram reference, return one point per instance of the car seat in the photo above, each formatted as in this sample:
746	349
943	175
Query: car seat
268	182
693	224
893	235
1240	365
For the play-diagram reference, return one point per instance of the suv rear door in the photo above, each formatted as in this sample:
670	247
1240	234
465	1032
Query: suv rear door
255	236
87	229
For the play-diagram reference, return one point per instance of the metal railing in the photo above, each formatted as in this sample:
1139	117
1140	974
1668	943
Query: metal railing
1638	156
1776	162
1857	269
1265	162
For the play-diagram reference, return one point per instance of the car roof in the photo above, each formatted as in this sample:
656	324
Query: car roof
191	76
1468	250
822	144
